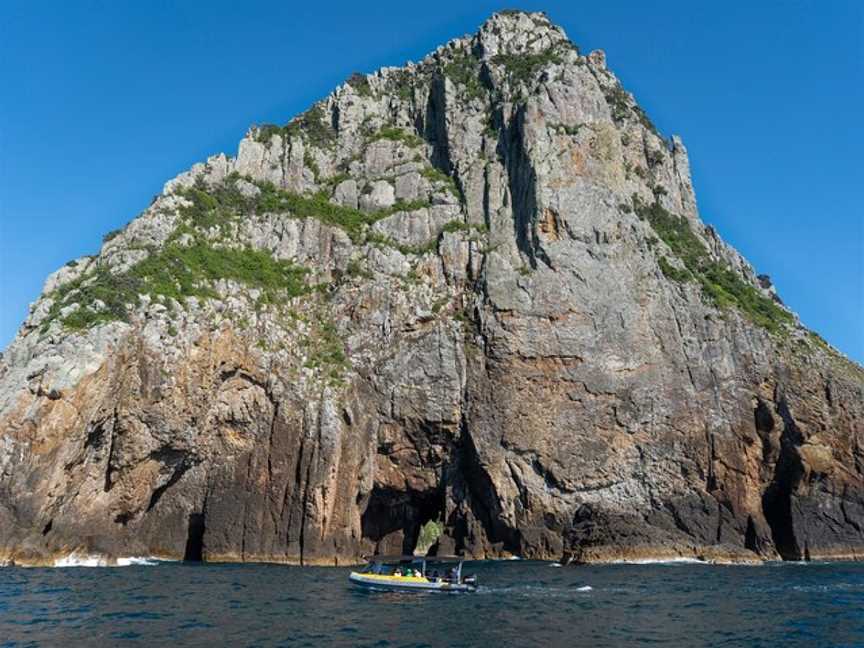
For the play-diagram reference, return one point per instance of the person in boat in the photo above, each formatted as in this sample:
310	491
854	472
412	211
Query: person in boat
397	572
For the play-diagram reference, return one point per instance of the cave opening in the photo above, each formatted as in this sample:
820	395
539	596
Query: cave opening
751	539
777	508
195	538
777	500
429	525
394	519
762	417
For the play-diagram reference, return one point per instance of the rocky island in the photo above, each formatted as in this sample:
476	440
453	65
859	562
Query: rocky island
474	291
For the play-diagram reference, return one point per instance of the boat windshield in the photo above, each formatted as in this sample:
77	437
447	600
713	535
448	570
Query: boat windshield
434	570
391	567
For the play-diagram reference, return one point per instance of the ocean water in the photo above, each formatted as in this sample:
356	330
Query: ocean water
519	604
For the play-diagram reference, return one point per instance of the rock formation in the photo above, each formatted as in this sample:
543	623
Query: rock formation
474	289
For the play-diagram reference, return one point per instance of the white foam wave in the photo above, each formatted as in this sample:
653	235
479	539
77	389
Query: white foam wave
136	560
81	560
660	561
536	591
91	560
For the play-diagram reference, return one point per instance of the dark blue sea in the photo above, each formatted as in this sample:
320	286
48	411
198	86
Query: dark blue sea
519	604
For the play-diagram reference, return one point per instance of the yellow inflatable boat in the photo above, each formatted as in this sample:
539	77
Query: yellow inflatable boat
414	573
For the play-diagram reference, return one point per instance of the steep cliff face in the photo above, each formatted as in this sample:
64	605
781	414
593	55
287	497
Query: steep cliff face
474	289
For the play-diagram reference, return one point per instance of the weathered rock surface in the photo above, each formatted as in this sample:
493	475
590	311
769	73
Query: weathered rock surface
513	341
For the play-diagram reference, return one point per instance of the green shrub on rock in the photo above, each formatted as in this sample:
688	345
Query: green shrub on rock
312	124
464	72
360	83
724	287
523	68
394	134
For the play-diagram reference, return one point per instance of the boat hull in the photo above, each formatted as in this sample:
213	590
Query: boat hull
413	584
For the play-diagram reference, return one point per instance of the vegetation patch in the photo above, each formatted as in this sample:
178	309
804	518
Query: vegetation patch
438	304
566	128
334	181
360	83
429	534
401	84
437	176
175	272
222	204
311	164
726	288
402	205
84	318
523	68
265	132
464	71
646	121
397	135
429	246
327	347
181	270
432	244
326	352
818	340
311	124
462	226
655	157
671	272
619	102
100	296
418	250
318	206
111	235
314	125
355	268
490	129
675	232
723	286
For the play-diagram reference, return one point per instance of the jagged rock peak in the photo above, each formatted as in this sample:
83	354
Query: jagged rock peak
518	33
473	292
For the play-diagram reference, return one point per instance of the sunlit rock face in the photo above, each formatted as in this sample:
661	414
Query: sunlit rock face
475	289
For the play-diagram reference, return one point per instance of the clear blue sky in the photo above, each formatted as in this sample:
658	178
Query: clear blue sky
102	102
